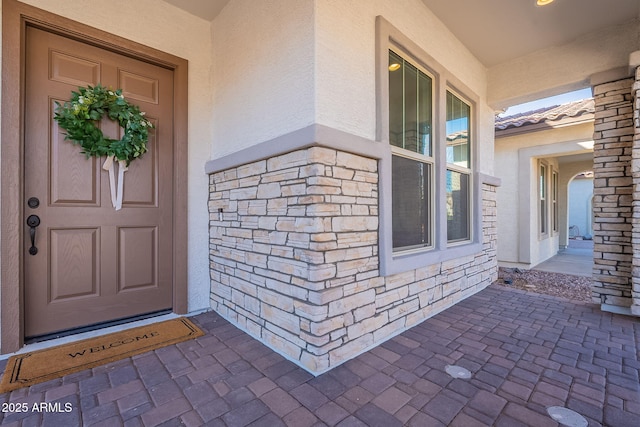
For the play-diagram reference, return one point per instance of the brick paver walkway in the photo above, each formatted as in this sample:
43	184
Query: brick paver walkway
526	352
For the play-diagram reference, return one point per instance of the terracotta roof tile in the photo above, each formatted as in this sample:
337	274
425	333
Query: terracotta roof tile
547	114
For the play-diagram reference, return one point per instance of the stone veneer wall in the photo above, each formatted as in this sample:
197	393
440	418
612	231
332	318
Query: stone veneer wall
294	258
635	168
613	194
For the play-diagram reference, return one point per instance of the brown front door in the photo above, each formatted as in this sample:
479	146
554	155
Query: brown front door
93	263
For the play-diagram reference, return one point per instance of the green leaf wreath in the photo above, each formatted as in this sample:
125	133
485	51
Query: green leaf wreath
89	105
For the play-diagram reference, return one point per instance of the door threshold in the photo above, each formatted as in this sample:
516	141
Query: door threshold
94	327
96	331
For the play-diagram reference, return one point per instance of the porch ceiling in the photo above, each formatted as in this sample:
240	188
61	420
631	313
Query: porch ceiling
496	31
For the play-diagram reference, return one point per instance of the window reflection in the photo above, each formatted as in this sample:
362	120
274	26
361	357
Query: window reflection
458	146
410	106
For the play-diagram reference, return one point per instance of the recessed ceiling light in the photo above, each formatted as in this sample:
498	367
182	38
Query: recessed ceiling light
393	67
543	2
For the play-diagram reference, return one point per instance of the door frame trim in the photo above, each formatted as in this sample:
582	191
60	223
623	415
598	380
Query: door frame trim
16	17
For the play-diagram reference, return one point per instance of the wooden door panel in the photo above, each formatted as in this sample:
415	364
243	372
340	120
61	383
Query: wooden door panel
73	179
75	263
94	264
65	68
142	176
138	257
141	88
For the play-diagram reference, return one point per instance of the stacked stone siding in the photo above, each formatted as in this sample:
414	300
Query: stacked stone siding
294	258
613	193
635	167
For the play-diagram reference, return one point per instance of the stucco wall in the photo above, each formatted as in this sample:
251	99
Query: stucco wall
517	197
559	69
325	74
263	67
167	28
580	207
508	208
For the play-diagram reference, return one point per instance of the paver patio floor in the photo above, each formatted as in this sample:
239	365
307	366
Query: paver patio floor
525	352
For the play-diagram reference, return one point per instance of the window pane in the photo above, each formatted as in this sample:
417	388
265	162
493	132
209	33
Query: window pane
411	209
410	106
543	199
396	101
458	119
424	114
458	213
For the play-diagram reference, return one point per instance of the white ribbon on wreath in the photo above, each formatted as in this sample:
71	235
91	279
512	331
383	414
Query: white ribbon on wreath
116	191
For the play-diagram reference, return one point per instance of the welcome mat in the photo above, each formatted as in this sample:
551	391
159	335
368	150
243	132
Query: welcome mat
27	369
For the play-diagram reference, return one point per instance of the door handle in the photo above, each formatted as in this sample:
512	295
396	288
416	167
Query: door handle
33	221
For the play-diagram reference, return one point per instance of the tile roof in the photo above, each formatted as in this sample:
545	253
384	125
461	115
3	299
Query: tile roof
547	114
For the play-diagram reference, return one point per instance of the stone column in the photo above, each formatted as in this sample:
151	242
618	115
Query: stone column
613	195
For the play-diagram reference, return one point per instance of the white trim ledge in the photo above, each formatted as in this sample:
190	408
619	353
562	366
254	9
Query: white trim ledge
491	180
315	135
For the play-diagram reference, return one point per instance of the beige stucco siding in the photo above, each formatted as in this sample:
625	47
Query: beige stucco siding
280	66
263	68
